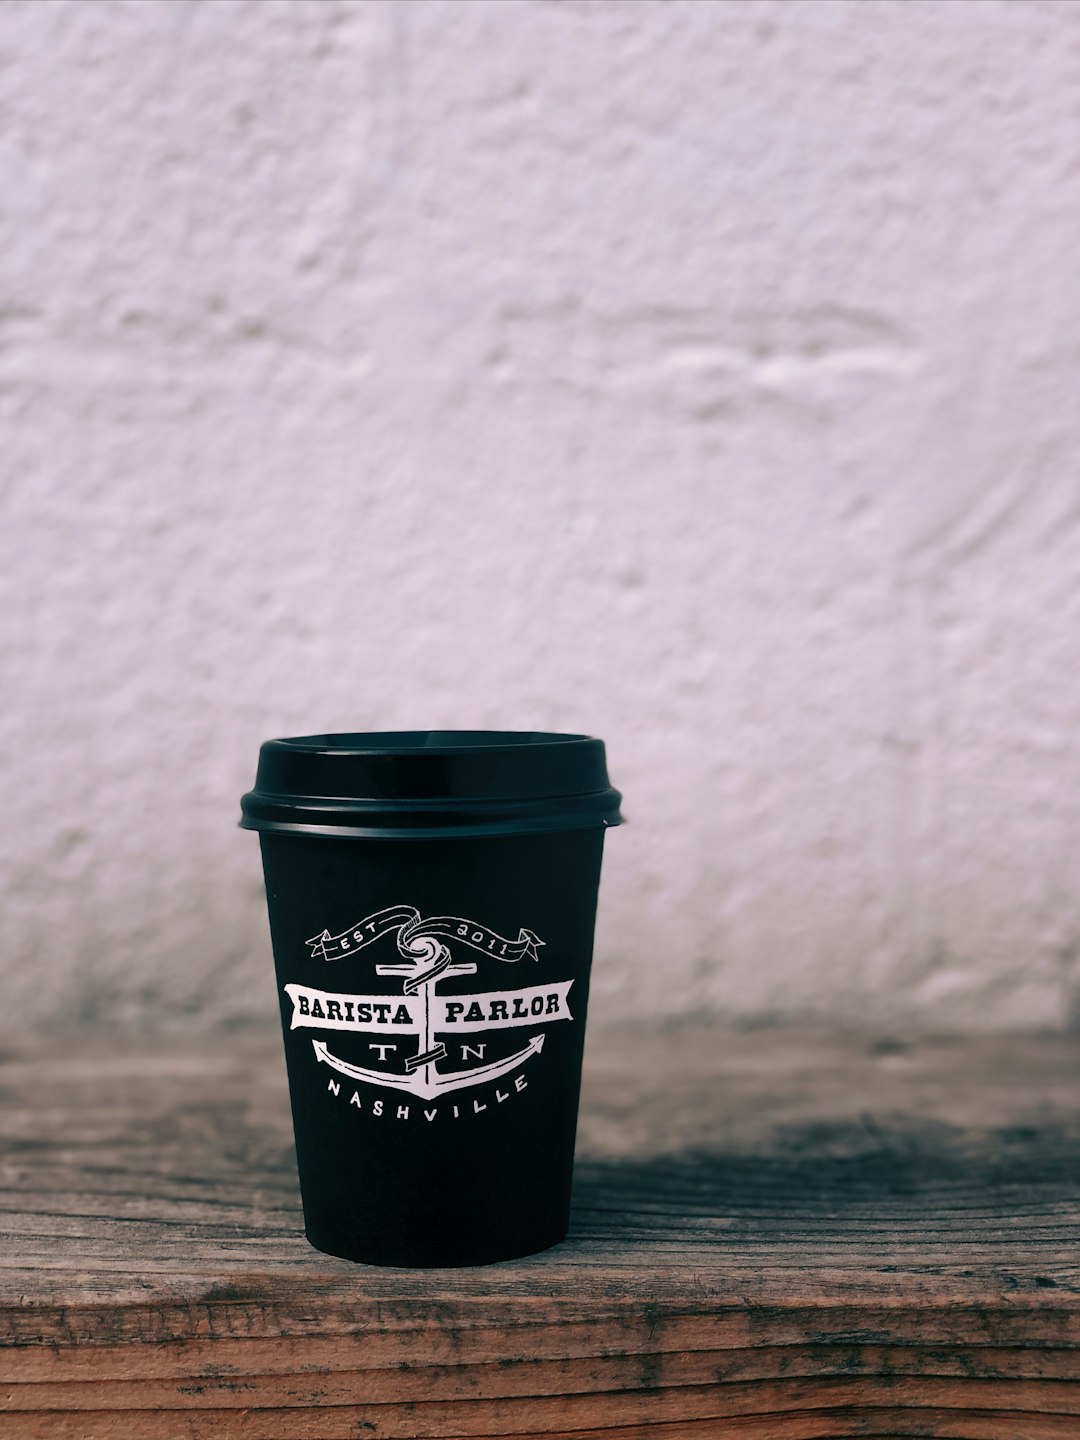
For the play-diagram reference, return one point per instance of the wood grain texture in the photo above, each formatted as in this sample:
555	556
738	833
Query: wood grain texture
774	1235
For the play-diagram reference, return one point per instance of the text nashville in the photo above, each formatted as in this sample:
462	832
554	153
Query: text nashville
391	1108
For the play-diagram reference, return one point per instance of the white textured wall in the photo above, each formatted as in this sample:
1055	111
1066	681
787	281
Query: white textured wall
705	376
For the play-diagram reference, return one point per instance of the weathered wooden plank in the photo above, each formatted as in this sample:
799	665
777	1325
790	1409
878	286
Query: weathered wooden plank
799	1385
773	1235
528	1326
347	1359
349	1422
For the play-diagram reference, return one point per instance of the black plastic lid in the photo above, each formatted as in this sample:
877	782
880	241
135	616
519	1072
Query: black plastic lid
413	784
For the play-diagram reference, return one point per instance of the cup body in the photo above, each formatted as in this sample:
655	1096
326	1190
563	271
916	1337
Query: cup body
432	954
467	1158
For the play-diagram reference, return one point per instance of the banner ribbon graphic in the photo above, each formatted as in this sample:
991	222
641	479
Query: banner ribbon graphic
416	940
447	1014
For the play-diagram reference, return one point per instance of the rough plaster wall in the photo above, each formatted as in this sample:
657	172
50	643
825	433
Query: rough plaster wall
703	376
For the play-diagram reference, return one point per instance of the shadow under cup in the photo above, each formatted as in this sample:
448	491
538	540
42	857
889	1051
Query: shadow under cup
432	898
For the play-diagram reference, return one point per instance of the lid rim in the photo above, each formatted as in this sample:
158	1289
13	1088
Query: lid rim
584	799
553	825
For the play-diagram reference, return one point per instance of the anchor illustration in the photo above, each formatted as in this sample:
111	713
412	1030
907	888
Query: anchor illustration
421	974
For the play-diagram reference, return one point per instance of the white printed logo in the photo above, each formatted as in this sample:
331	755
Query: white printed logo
421	1011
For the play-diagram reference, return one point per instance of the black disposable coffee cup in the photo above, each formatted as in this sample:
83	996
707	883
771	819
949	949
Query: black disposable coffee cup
432	897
